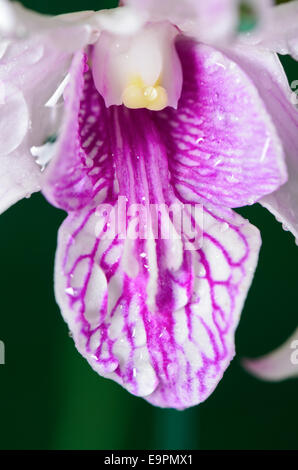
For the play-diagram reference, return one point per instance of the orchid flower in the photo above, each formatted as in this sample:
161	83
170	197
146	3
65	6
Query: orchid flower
152	103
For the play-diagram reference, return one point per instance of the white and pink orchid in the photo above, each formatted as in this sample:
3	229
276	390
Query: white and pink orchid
157	102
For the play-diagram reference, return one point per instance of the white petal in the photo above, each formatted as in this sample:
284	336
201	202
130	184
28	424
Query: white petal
208	21
17	21
124	20
280	364
14	115
280	31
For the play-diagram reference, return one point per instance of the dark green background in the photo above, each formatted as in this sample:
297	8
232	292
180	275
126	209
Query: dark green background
51	399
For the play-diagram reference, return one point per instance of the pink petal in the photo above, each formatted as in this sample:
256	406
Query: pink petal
267	73
222	145
164	333
279	365
208	138
17	180
81	172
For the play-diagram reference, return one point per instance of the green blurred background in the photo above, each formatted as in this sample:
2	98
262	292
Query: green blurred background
51	399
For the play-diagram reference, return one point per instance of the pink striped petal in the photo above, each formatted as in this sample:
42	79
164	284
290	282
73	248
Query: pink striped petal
163	331
71	31
279	365
208	139
81	172
267	73
222	145
135	310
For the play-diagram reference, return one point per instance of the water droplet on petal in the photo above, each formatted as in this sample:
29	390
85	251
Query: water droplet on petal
202	271
224	227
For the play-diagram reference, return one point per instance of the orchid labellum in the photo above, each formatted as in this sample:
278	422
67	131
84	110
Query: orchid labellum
153	103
